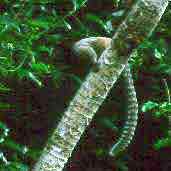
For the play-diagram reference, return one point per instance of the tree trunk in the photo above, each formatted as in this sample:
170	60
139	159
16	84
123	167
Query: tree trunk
140	22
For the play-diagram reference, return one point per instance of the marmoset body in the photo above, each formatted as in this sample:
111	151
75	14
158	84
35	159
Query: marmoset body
88	50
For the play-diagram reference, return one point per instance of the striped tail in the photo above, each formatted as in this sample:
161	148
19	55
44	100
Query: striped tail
132	117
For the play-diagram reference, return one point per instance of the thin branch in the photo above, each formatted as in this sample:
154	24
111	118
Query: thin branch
167	90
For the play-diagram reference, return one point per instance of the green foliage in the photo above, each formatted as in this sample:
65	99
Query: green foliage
162	142
4	88
34	39
158	110
149	106
29	39
14	166
19	151
4	132
77	5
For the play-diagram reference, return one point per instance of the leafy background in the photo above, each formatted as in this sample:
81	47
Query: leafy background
39	76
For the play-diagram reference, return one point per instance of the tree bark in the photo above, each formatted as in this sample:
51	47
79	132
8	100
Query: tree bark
138	25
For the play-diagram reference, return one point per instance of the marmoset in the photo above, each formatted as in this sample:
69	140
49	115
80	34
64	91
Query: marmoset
88	50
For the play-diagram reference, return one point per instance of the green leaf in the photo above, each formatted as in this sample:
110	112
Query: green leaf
162	68
67	25
56	74
158	114
3	88
149	106
8	24
96	19
165	106
40	68
22	73
34	79
100	152
5	105
164	110
3	158
158	54
55	38
16	166
78	4
43	48
147	44
164	142
3	126
3	132
40	23
11	144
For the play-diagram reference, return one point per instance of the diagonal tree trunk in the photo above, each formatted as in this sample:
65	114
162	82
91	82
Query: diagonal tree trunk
140	22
